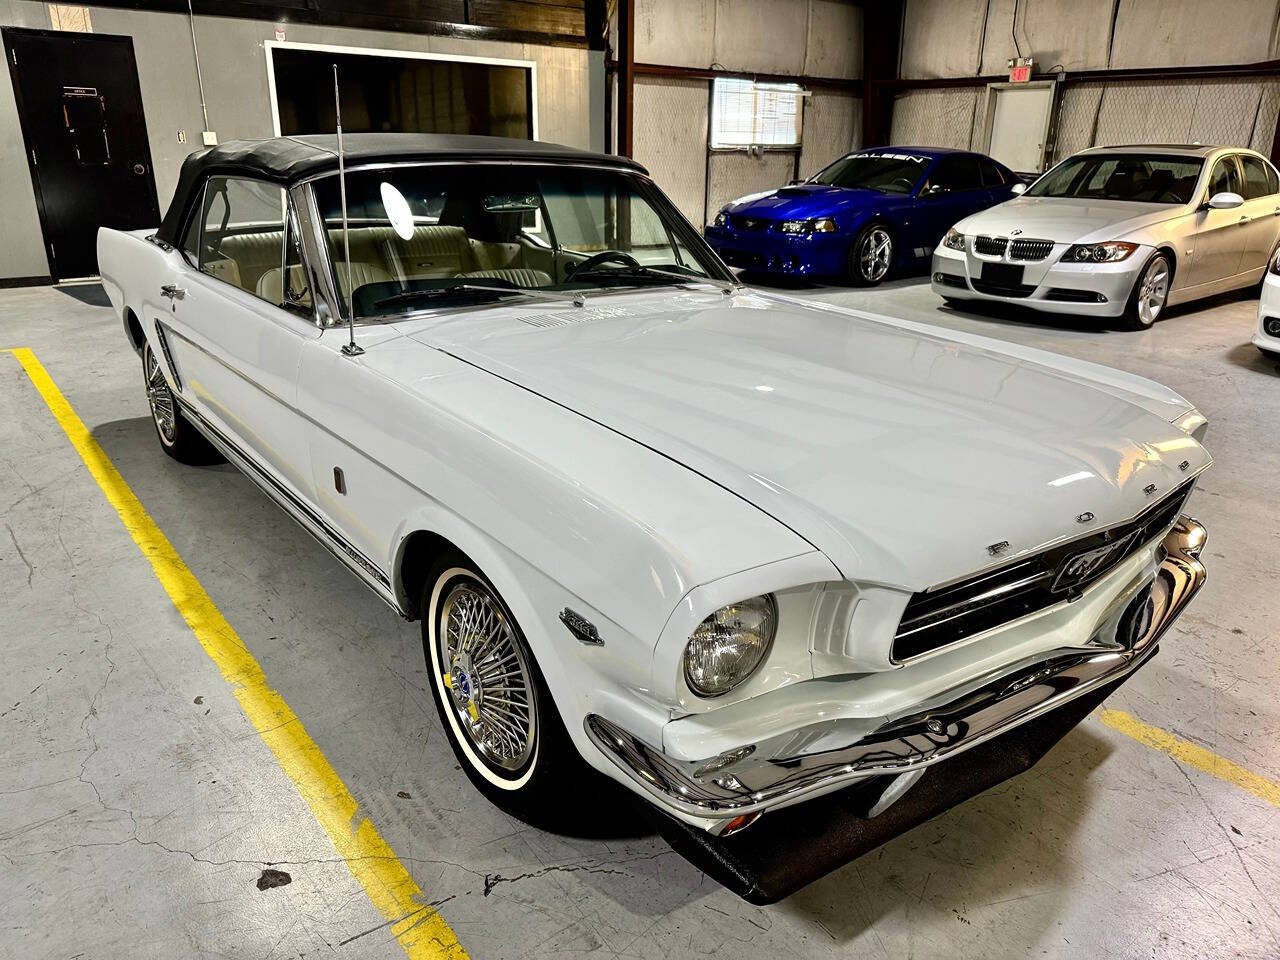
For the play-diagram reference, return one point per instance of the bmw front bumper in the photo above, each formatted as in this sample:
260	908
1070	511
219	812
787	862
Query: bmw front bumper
1267	337
1048	285
792	765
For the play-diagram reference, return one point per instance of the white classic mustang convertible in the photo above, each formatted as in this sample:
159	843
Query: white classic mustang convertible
743	554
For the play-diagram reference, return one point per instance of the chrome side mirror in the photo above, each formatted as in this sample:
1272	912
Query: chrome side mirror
1018	189
1226	200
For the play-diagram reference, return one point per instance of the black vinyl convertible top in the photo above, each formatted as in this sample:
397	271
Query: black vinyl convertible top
286	160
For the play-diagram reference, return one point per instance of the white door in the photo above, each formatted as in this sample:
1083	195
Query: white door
1218	235
1262	207
235	337
1019	124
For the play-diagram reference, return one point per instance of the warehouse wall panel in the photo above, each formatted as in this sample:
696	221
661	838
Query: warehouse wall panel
834	47
1074	36
737	174
680	33
935	118
671	139
832	128
942	38
1177	33
764	35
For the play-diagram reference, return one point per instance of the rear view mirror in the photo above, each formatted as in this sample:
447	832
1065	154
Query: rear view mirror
511	203
1225	200
1018	189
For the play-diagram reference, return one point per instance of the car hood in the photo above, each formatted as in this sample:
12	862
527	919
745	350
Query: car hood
900	450
1064	220
804	200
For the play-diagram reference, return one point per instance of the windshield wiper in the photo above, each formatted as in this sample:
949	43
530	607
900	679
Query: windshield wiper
645	272
437	293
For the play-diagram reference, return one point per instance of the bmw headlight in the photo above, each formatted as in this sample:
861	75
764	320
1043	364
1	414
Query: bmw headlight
728	645
818	225
1108	252
722	219
954	240
1275	263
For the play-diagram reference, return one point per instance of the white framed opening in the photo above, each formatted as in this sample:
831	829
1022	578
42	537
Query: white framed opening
271	46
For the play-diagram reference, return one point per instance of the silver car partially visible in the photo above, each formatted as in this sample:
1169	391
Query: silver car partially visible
1120	232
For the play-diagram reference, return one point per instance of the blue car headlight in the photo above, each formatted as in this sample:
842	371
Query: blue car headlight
818	225
722	219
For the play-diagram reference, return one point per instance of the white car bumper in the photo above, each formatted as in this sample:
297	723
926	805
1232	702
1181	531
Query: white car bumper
1048	285
1267	336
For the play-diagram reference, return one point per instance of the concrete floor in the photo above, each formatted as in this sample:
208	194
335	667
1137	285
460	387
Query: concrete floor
138	807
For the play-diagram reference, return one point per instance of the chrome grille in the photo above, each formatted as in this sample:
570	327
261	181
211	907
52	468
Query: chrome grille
940	616
1030	249
990	246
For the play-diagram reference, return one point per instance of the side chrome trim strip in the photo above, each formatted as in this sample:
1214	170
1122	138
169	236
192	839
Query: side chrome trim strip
168	357
311	521
754	777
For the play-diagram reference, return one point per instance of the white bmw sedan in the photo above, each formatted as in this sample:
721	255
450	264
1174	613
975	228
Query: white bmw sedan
1120	232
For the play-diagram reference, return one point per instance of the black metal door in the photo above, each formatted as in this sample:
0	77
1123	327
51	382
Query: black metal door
81	113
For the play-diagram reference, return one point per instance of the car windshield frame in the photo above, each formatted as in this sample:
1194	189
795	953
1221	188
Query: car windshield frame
1096	160
925	161
679	229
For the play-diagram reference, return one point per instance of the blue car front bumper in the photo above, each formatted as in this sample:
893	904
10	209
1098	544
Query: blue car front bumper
767	251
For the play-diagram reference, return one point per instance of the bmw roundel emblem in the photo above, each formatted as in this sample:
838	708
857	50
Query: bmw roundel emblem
1015	231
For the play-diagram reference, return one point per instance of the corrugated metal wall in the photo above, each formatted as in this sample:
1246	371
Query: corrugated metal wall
820	38
958	38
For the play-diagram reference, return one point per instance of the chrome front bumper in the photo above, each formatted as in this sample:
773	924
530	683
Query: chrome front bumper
757	776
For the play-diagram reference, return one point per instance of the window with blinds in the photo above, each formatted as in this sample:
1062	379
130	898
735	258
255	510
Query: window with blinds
749	114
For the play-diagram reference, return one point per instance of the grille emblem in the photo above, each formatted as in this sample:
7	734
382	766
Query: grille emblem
1015	232
1149	489
1076	570
1084	517
1183	465
998	548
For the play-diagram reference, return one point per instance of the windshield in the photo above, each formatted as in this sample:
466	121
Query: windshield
1122	176
885	172
432	234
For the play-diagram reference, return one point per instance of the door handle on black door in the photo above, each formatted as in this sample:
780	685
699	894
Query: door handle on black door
172	291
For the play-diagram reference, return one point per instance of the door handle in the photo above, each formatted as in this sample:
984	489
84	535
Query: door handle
173	291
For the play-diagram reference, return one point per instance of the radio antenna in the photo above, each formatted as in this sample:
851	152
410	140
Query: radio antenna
350	348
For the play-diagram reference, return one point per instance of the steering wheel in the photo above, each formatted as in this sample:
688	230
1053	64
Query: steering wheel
905	181
606	256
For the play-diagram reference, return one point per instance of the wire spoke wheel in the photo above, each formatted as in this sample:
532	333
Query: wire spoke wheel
875	254
160	397
484	669
1153	290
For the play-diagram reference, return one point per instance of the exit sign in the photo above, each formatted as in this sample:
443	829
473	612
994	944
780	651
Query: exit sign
1020	69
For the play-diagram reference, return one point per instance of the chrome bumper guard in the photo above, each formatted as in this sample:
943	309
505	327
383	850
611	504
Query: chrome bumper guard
755	777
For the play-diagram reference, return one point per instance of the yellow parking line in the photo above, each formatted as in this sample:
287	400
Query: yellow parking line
418	927
1226	770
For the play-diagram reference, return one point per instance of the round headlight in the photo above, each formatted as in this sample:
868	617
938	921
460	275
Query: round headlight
729	645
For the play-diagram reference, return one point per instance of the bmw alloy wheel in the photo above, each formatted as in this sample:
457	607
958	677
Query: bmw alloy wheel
1153	291
875	253
487	679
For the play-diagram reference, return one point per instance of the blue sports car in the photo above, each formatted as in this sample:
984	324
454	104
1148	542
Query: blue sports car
861	217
